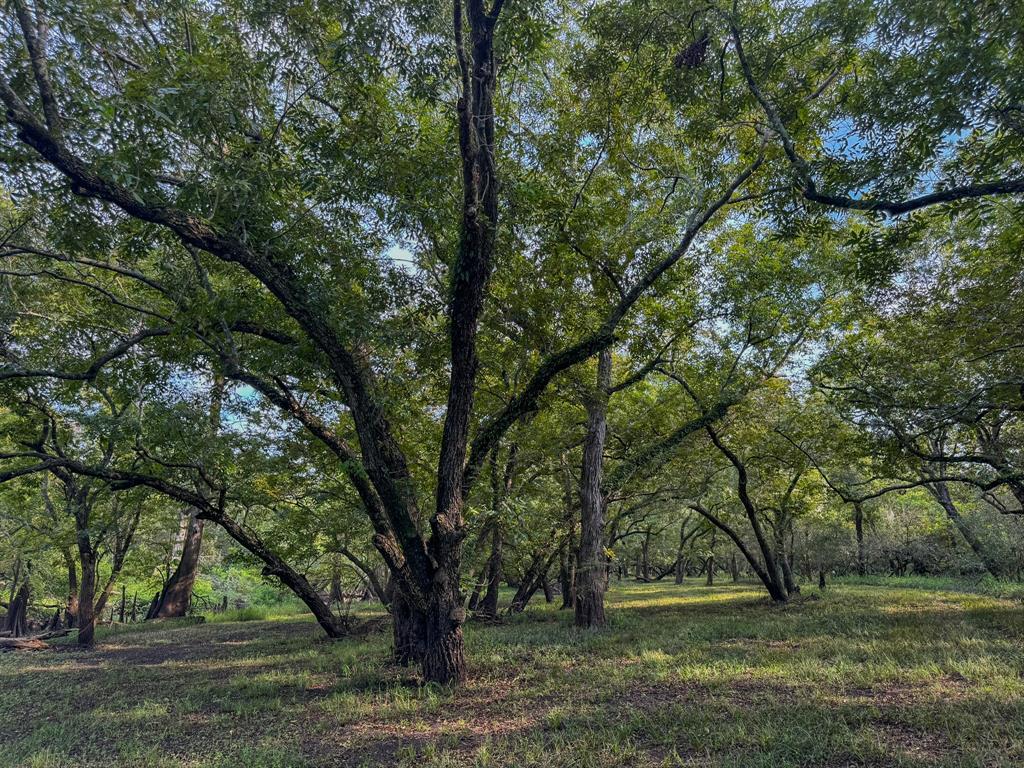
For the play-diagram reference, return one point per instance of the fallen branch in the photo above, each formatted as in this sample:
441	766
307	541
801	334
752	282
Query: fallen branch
34	643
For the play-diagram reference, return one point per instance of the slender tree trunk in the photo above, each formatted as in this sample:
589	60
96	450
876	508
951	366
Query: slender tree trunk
680	568
489	605
481	584
567	577
569	556
645	557
71	619
337	595
711	561
940	490
590	582
368	574
734	568
787	577
858	524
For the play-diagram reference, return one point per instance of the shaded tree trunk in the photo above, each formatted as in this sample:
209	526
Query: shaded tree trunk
489	605
531	581
16	621
71	611
409	630
858	525
940	490
177	592
86	595
681	564
569	556
590	580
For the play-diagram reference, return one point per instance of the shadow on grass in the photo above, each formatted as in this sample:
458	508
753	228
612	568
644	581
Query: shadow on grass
866	676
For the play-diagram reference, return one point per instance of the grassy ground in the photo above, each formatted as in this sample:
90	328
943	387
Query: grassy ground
864	676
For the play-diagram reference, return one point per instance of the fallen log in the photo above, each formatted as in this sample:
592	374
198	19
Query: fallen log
22	644
34	643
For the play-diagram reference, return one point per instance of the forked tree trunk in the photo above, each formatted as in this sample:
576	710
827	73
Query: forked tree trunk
590	581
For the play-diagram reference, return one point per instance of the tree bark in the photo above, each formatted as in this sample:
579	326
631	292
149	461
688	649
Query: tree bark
409	629
86	594
940	490
71	612
16	622
858	524
177	593
489	605
590	581
771	574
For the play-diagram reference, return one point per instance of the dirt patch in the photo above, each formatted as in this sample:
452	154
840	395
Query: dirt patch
906	741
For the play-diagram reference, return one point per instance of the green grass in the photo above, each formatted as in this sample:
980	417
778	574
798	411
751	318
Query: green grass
864	675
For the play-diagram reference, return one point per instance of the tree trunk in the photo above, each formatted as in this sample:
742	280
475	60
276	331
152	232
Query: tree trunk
177	592
86	596
481	583
590	582
549	595
734	568
569	555
17	612
409	630
940	491
711	562
787	577
489	605
71	619
444	659
858	524
645	557
567	577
